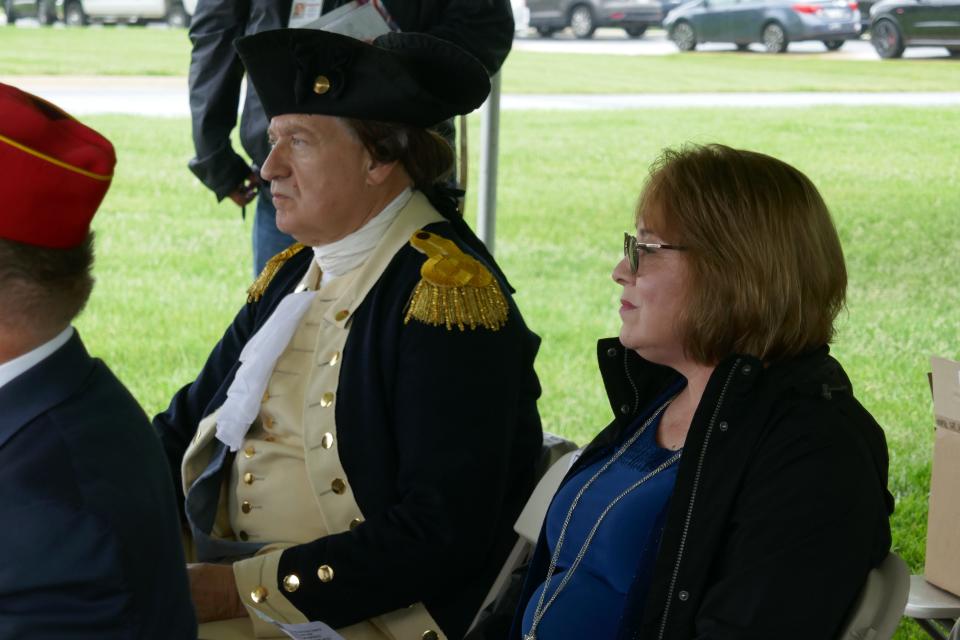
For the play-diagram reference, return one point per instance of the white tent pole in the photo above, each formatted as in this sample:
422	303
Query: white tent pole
489	150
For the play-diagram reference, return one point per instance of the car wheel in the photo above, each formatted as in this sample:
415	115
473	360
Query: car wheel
73	14
833	45
177	16
546	32
886	39
11	14
581	21
636	32
774	38
683	36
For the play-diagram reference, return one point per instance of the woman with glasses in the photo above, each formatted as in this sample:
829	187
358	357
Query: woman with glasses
741	489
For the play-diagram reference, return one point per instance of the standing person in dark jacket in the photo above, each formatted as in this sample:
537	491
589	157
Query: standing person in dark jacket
90	538
741	491
483	28
358	445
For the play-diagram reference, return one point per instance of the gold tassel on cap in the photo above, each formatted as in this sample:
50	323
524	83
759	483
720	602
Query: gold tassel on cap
455	289
255	292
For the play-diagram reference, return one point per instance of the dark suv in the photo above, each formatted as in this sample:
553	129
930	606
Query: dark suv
584	16
897	24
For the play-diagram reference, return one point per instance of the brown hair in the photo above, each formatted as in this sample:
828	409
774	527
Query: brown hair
43	288
425	155
767	274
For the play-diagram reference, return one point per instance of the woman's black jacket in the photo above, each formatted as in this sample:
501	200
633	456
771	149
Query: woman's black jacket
780	507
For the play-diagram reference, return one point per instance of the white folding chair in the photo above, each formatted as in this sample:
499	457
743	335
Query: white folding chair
881	602
934	609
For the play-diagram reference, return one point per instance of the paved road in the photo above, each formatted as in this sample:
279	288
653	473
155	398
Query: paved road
168	97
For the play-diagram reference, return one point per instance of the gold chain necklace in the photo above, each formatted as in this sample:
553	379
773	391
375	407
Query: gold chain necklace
541	608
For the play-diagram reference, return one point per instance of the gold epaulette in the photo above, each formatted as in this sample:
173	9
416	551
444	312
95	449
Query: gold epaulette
455	289
255	292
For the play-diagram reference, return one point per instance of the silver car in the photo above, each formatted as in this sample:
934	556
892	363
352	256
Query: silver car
775	23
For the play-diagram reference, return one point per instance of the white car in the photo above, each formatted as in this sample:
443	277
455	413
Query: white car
79	12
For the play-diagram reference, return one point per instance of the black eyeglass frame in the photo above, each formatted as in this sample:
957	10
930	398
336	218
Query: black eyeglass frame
632	247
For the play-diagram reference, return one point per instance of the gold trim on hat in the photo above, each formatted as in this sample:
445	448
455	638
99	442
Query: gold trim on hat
52	160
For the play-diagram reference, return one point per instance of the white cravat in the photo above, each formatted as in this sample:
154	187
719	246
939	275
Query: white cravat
21	364
260	354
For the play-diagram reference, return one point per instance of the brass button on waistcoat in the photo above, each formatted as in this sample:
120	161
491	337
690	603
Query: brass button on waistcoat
334	359
266	396
243	536
259	594
327	440
245	507
429	634
338	486
291	583
356	522
249	450
248	478
325	573
326	399
321	84
269	438
342	315
268	422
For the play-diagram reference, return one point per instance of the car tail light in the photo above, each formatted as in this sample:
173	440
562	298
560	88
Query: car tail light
619	15
853	6
806	8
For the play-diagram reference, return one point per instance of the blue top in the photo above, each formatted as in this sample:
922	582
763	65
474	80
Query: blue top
623	549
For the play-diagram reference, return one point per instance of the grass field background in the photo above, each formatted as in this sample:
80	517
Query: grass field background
172	265
166	52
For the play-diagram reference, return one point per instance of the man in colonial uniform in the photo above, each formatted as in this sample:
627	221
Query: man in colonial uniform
360	441
90	538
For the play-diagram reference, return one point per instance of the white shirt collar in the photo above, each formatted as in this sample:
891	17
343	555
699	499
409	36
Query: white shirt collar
21	364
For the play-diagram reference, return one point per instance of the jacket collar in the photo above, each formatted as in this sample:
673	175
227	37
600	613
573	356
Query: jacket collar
44	386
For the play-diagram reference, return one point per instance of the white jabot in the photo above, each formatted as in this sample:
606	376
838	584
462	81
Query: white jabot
346	254
21	364
260	354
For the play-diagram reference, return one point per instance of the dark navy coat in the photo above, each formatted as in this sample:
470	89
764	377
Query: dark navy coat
438	433
90	537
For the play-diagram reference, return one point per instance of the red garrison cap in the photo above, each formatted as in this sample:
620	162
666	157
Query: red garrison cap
55	172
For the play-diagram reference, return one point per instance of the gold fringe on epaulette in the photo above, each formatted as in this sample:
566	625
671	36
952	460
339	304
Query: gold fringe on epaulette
255	292
458	306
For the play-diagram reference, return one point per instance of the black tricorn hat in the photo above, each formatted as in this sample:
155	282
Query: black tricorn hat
409	78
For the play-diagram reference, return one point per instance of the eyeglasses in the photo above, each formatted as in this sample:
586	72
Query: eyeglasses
632	248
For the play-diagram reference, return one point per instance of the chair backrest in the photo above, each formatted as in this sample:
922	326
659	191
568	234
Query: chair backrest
879	607
553	467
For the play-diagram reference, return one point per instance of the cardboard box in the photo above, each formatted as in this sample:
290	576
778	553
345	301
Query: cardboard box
943	523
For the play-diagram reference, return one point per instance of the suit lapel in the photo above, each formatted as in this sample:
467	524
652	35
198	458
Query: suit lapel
43	387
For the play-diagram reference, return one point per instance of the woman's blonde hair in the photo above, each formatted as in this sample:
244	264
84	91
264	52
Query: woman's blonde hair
767	274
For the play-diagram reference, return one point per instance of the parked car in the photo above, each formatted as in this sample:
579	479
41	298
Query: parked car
864	7
79	12
43	10
584	16
897	24
775	23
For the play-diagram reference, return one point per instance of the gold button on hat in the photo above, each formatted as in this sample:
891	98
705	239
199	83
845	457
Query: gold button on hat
246	507
334	359
355	523
326	399
341	315
325	573
259	594
248	478
321	85
249	450
291	583
430	634
338	486
327	440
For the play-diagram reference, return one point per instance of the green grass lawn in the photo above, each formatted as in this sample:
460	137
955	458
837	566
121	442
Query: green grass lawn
163	52
173	266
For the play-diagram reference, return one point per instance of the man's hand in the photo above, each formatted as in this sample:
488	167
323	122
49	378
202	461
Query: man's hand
247	190
214	592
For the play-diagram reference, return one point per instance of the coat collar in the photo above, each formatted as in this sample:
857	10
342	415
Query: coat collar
43	386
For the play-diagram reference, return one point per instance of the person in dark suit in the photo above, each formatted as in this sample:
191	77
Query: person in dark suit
90	538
